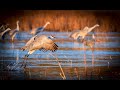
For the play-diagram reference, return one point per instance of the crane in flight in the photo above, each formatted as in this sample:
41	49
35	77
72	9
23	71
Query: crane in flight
10	32
82	33
35	31
40	42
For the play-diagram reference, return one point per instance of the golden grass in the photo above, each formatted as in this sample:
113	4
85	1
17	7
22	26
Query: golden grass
66	20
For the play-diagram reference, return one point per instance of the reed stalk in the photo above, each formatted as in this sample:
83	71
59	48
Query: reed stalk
63	74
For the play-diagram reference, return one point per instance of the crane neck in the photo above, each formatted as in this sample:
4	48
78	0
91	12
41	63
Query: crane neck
91	28
94	26
45	25
18	26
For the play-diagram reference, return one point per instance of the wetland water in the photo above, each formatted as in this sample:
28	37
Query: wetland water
101	64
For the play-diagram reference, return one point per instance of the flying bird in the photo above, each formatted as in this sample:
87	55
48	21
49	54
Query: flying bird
3	27
10	32
40	42
82	33
3	33
40	29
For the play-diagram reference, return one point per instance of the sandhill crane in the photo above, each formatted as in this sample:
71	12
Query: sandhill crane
3	27
37	30
11	32
82	33
40	42
2	34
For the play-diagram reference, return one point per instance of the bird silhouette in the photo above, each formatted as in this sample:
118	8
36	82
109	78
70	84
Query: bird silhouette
82	33
35	31
40	42
4	27
10	32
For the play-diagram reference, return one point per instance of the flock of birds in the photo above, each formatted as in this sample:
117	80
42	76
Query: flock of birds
45	43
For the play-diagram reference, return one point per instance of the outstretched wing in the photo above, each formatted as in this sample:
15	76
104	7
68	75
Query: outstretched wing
12	32
49	44
43	43
31	40
74	34
38	30
27	45
35	31
3	34
85	28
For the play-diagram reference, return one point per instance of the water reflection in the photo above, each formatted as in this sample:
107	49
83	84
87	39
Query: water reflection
71	55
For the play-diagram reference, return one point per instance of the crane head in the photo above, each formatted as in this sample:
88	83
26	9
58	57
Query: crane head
48	22
17	21
51	36
97	25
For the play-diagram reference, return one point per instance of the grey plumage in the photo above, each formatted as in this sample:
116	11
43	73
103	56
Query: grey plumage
4	27
82	33
40	42
10	32
39	29
3	34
